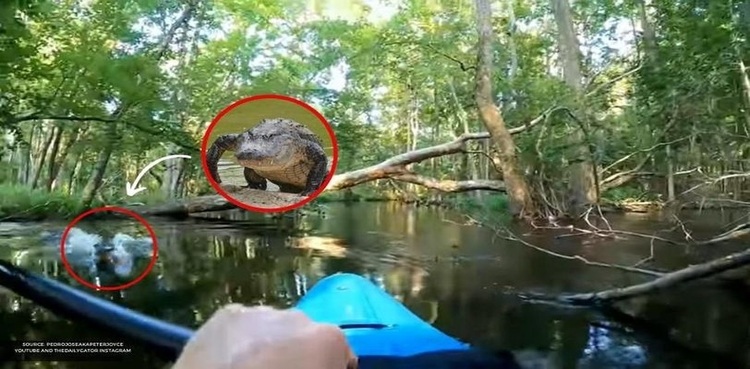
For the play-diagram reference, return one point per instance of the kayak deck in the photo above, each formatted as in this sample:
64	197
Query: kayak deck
374	323
381	331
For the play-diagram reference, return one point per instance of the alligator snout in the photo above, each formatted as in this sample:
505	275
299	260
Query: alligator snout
265	156
253	154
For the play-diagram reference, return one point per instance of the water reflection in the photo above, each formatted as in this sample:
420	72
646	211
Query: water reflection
606	350
459	278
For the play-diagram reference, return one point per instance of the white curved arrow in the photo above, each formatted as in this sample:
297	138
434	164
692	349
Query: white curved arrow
131	189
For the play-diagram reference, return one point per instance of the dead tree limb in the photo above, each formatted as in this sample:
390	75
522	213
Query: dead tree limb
715	181
395	167
684	275
580	258
736	232
188	206
621	178
451	186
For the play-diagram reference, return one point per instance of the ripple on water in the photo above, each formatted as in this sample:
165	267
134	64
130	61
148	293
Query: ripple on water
469	291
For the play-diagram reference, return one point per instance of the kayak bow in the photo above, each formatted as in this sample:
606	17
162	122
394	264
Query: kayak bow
381	331
375	324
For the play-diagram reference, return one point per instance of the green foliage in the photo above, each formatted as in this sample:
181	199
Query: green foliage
359	193
22	203
409	83
488	203
627	194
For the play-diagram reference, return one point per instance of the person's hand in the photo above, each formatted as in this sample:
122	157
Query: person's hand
239	337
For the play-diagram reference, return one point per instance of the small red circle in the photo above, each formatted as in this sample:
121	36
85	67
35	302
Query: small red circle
116	209
312	196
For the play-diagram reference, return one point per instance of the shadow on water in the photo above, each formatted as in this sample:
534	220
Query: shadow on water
460	278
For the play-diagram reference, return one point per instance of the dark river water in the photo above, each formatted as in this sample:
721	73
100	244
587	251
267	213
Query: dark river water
461	278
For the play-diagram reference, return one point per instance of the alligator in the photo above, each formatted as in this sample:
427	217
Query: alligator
279	150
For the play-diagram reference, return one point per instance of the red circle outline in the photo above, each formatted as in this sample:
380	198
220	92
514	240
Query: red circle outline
312	196
116	209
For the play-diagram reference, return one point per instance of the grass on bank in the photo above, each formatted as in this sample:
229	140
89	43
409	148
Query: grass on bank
625	195
19	202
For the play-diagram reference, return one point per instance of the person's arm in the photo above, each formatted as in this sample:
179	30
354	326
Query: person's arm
238	337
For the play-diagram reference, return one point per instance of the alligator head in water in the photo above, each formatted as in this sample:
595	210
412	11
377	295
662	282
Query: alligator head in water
279	150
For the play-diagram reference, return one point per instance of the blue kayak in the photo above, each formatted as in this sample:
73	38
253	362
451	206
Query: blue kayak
375	323
382	332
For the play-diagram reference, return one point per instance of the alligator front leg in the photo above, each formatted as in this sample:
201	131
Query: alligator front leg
254	180
318	171
222	144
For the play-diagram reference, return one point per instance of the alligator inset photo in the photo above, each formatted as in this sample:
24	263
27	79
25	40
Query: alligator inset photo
280	162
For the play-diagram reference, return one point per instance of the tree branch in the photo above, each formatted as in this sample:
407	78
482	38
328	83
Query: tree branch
41	116
621	178
684	275
451	186
395	167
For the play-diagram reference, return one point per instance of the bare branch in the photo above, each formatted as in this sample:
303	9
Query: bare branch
40	116
450	185
396	166
684	275
163	46
613	80
619	179
515	238
736	232
461	64
650	149
717	180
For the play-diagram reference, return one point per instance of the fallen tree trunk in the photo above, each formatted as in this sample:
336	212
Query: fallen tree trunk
392	168
201	204
185	207
736	232
395	167
684	275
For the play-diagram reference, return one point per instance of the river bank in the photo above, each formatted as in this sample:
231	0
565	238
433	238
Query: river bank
22	204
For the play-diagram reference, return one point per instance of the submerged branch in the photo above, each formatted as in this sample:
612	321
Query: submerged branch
684	275
630	269
736	232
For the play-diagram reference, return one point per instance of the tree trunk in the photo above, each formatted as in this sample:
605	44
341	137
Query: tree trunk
21	162
52	156
58	165
582	185
172	174
649	35
27	152
745	86
42	154
95	181
468	166
89	192
670	174
519	193
73	175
